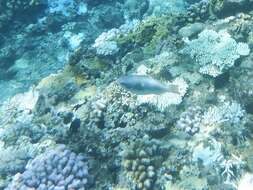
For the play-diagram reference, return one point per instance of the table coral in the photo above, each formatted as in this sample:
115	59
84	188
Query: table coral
215	52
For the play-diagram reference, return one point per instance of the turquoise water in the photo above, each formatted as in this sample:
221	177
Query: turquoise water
126	95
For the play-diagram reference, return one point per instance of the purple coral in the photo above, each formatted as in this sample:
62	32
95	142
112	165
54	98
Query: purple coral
57	169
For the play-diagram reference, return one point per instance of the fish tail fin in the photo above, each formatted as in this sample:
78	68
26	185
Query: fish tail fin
173	88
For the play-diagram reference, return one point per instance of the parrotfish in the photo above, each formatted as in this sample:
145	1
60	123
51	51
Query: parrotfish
144	84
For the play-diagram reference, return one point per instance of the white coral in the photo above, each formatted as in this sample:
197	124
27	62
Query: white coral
105	43
209	155
18	107
230	112
74	40
243	49
231	169
215	52
246	182
164	100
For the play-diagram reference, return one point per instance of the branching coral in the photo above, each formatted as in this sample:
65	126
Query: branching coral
230	168
215	52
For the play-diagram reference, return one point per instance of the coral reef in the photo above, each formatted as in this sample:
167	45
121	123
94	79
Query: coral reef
59	65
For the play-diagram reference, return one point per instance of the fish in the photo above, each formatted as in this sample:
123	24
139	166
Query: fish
144	85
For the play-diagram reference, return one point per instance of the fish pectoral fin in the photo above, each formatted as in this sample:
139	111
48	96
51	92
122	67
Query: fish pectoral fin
173	88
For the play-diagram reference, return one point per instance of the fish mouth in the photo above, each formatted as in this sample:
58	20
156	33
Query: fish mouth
120	80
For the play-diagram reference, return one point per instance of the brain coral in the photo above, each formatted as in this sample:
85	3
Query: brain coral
56	169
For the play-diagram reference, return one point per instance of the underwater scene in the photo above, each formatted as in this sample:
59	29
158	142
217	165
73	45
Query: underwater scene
126	94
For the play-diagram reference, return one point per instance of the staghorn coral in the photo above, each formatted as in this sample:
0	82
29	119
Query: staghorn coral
73	40
229	112
231	169
192	179
57	168
16	116
227	120
209	154
19	107
105	45
67	8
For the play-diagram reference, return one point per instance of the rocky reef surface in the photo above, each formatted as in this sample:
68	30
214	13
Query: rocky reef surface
66	124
